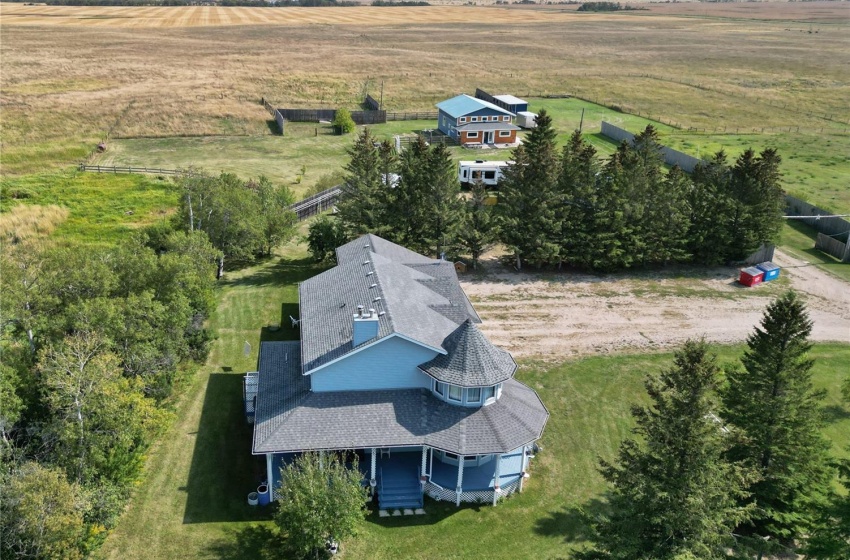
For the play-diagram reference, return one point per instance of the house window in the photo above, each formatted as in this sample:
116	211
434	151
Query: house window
440	388
489	393
455	393
504	133
463	119
473	395
474	119
448	455
472	134
506	118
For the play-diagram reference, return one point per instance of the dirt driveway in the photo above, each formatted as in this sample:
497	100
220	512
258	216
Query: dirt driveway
551	316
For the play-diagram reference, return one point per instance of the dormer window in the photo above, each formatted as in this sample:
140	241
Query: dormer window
455	393
473	395
440	388
489	393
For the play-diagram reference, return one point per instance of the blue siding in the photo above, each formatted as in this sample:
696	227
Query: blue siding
389	364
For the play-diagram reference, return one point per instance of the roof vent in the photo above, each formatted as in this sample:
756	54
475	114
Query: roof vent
367	261
370	273
376	299
360	311
373	286
382	313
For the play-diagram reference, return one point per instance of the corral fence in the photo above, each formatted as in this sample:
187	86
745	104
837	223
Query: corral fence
432	139
831	231
762	254
371	103
413	116
671	157
278	117
127	169
316	203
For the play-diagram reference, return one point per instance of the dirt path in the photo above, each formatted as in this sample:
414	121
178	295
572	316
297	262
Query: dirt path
557	315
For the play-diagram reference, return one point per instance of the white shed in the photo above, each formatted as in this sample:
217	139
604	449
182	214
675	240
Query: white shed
526	119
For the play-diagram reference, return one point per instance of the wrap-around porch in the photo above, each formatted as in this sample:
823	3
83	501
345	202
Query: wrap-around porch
400	476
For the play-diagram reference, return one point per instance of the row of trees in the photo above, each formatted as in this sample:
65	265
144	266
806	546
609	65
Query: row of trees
735	463
94	341
566	206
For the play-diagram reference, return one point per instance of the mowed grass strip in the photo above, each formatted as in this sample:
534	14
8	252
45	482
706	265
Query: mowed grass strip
193	502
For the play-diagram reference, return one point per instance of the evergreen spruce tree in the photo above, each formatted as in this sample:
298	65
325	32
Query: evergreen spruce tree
577	185
444	210
609	241
667	220
710	208
363	203
773	403
528	207
830	539
673	494
478	229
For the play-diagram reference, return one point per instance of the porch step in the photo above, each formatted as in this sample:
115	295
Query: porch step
400	490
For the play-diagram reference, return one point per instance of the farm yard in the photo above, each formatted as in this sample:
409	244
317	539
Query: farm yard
181	87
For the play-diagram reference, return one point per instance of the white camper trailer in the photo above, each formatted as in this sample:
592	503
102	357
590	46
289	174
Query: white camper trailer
526	119
488	172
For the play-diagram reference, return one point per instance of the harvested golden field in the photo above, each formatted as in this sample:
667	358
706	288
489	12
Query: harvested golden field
72	74
194	16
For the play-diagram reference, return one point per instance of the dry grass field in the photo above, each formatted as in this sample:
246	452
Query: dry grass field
71	74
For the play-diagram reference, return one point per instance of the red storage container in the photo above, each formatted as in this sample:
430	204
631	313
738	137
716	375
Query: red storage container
751	276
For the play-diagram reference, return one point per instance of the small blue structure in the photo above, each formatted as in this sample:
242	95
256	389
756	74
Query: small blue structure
771	271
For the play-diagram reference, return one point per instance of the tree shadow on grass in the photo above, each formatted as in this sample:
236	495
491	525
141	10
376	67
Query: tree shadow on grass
223	470
835	413
255	542
283	272
573	523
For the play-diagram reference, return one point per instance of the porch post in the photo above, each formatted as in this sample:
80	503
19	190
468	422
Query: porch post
372	480
459	487
269	473
422	476
522	470
496	488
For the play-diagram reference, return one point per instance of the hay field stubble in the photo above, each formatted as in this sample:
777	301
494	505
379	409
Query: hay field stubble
70	74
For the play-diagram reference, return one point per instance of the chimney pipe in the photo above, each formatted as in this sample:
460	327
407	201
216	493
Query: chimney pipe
360	311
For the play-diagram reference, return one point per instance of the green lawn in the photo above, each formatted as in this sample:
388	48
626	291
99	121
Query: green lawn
192	503
102	207
798	240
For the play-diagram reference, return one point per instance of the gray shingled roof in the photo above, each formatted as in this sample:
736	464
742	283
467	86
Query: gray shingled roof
471	360
420	299
289	418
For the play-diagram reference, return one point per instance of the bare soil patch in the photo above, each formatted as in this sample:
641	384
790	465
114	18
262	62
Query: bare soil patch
788	11
559	315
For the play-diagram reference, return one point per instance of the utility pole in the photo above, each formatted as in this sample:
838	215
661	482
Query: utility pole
381	104
581	123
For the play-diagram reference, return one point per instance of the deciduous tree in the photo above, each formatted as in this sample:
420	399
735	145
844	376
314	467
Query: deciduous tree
321	501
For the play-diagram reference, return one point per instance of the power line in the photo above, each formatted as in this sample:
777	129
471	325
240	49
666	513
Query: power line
816	217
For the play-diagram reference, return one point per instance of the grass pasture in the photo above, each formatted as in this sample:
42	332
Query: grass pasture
98	207
70	74
192	503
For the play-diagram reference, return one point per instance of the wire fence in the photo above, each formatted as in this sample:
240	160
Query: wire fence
128	169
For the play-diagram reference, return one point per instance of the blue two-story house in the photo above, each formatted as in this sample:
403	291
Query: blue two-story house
391	365
473	121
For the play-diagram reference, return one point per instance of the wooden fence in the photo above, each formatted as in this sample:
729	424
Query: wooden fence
406	141
308	115
317	203
278	117
371	103
127	169
413	116
369	117
834	247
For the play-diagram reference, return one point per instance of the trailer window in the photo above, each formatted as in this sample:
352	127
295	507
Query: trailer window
476	175
489	174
